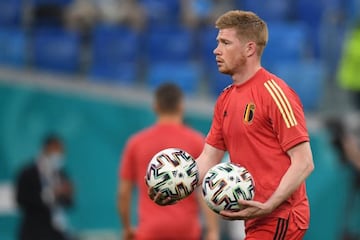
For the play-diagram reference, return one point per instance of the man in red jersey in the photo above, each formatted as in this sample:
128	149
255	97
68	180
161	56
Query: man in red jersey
180	221
260	121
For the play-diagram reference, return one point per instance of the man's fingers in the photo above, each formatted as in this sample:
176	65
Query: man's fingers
159	198
151	193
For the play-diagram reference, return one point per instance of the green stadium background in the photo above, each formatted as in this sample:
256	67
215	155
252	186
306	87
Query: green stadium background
95	130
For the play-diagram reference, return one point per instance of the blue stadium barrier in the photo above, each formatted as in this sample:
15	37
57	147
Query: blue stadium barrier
120	72
186	74
306	78
9	224
56	50
13	47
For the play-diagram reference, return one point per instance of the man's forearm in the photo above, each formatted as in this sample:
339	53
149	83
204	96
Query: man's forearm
300	168
211	219
124	205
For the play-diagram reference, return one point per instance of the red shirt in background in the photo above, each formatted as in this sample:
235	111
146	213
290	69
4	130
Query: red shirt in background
257	122
179	221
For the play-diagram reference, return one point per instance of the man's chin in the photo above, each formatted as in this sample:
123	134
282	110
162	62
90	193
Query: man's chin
224	71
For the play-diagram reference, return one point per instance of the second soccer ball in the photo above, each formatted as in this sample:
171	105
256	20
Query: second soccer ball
225	184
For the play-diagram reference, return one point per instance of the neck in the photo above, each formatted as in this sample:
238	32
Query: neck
244	74
168	118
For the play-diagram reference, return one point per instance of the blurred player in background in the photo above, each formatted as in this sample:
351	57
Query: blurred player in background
345	140
180	221
42	192
260	121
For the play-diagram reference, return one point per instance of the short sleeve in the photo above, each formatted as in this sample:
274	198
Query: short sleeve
215	136
127	171
286	114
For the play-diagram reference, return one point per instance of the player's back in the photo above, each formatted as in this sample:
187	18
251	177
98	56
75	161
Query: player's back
179	221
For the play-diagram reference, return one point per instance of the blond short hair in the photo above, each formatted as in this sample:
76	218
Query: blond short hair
248	25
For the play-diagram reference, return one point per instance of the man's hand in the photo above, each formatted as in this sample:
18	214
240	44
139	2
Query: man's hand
251	209
211	235
65	188
128	234
159	198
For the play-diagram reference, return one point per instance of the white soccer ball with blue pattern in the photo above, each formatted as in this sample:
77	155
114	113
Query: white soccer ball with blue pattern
173	172
225	184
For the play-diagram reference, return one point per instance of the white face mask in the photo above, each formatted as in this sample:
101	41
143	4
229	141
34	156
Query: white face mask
56	160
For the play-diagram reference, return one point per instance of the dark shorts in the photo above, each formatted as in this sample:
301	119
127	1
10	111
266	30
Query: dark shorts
275	229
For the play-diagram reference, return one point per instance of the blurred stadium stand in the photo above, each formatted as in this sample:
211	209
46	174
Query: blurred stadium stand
56	49
114	54
111	70
162	12
287	43
118	54
170	43
276	10
13	47
10	12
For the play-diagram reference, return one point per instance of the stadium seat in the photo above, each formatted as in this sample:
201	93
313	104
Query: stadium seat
161	12
275	10
56	50
13	47
115	54
312	13
352	10
306	78
287	42
113	43
51	2
215	80
10	12
169	43
186	74
206	40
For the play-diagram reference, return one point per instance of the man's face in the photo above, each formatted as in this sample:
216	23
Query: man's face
55	148
54	154
230	51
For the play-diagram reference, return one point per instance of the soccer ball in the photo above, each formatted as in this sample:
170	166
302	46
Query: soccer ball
173	172
225	184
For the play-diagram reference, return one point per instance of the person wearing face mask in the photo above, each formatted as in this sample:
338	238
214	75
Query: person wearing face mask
43	191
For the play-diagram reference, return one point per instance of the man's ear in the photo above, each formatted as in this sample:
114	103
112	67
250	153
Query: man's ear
251	49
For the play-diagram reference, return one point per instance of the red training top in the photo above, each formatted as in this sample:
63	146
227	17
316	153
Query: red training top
178	221
257	123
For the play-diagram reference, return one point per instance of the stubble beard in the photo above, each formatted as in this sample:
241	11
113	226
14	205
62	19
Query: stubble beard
231	71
